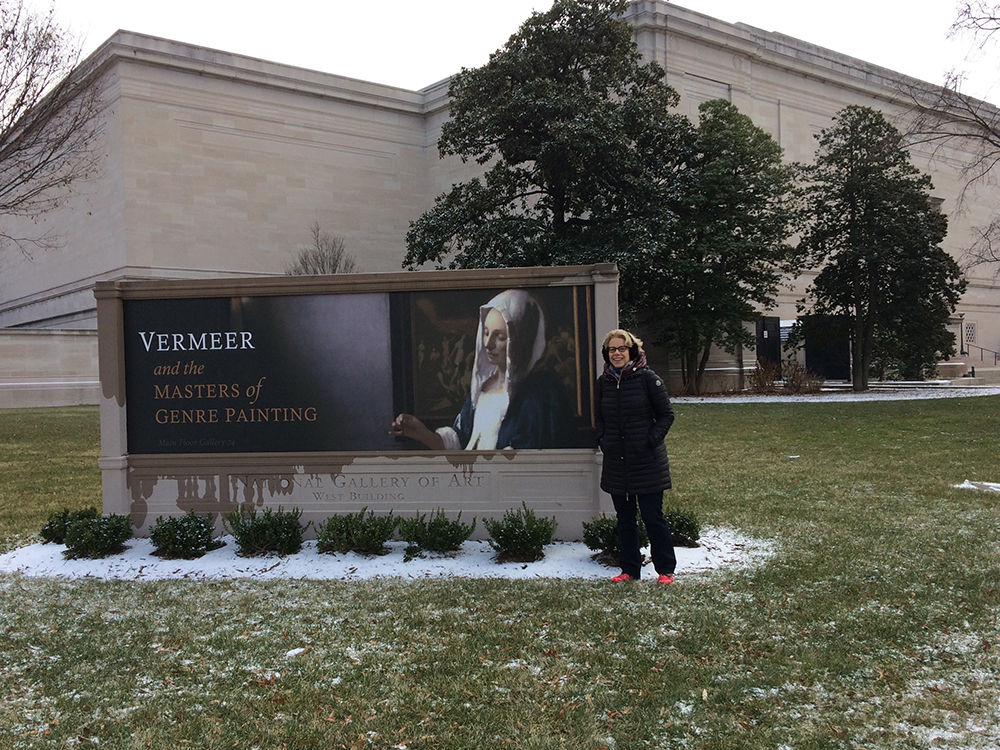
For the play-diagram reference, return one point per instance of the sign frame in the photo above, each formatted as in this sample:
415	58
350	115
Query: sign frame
146	484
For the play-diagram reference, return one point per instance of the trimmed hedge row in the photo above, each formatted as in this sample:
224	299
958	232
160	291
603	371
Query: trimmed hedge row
519	536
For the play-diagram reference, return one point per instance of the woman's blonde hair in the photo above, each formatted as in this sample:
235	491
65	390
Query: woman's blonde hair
620	333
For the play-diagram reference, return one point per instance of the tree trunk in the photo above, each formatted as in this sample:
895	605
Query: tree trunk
701	365
859	378
692	381
861	351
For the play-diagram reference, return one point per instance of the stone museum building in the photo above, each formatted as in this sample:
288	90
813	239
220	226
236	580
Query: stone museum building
217	165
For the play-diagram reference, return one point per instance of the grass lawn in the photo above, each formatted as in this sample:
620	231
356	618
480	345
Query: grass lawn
874	626
48	461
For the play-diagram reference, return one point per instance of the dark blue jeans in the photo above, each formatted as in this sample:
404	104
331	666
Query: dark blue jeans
661	542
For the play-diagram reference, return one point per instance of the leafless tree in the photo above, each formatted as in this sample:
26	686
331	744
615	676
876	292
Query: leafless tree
327	254
50	118
945	118
980	18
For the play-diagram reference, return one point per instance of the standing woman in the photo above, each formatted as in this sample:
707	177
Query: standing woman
633	416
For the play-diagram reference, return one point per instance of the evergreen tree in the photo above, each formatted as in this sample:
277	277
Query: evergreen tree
582	154
876	238
728	251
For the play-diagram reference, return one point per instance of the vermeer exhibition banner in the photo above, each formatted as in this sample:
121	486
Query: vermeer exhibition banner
375	371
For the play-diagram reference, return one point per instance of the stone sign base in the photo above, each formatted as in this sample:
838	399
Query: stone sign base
559	484
185	427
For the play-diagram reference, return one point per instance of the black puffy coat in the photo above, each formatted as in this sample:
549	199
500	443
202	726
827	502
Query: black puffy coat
633	415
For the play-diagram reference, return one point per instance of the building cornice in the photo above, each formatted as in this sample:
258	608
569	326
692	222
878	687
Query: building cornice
770	49
777	50
141	49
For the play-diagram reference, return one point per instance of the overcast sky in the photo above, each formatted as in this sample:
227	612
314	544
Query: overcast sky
414	43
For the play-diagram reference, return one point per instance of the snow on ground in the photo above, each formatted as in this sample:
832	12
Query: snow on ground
719	547
878	392
987	486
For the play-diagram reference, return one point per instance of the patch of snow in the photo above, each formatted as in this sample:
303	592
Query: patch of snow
988	486
878	393
563	560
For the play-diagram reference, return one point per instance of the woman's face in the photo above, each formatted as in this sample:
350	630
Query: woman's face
495	339
618	357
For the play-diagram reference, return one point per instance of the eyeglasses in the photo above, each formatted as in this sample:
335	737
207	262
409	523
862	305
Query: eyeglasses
619	349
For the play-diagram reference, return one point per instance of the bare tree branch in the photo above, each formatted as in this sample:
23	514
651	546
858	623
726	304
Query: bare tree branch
326	255
986	248
944	119
944	116
980	18
49	118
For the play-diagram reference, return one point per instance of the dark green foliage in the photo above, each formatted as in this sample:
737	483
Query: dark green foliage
684	527
727	253
600	534
354	532
185	537
582	153
876	237
55	528
586	162
97	536
440	534
272	531
520	535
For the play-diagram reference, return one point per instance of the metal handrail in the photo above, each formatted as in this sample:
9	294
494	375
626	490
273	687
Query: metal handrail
982	353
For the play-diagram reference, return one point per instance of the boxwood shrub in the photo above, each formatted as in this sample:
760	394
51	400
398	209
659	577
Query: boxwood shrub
600	534
684	527
54	529
184	537
94	537
440	534
354	532
520	535
271	531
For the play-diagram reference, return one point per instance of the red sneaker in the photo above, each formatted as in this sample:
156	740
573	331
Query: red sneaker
665	579
621	578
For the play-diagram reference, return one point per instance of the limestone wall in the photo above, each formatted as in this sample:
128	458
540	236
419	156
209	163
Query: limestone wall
48	368
217	165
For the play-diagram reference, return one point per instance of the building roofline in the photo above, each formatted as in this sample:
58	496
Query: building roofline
143	49
769	47
783	51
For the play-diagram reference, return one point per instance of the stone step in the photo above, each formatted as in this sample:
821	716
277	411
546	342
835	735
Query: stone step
966	368
897	385
989	375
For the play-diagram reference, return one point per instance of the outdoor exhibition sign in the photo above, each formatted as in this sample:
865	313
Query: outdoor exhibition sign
461	390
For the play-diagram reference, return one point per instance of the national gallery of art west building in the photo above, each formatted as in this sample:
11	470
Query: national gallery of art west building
218	165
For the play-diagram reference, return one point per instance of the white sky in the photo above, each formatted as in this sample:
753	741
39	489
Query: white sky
414	44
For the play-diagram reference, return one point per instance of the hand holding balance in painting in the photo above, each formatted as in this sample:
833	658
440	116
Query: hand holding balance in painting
511	404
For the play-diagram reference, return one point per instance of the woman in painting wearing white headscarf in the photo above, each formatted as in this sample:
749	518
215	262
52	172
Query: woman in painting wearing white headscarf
511	404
